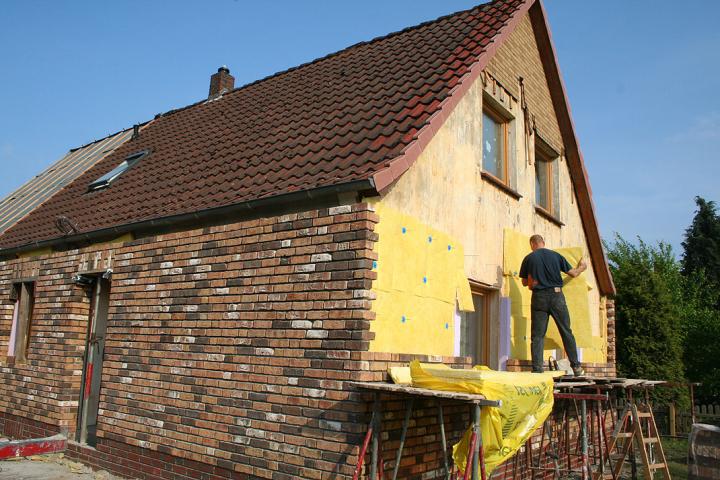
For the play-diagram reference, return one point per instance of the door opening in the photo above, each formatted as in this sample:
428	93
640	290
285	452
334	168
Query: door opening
92	369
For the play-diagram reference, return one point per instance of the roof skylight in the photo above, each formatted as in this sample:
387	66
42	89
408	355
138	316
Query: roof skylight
113	174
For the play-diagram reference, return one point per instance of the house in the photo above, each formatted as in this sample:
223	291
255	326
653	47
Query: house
194	304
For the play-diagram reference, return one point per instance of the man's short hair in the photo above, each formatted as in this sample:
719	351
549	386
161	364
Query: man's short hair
537	239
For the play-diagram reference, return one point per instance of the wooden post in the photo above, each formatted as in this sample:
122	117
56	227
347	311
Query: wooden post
673	429
692	402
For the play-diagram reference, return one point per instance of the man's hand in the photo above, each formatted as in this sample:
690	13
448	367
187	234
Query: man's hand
581	267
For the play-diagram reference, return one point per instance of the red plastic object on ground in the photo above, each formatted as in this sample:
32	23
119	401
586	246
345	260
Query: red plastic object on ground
33	446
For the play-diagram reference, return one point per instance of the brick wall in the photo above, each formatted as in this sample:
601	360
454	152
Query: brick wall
593	369
422	453
226	346
46	387
18	427
611	355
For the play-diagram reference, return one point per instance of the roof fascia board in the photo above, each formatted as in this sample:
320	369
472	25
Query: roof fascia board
400	164
576	165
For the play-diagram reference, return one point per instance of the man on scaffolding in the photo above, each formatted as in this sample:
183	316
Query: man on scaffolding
540	271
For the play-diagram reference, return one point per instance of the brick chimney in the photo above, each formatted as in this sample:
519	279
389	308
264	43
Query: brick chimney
221	82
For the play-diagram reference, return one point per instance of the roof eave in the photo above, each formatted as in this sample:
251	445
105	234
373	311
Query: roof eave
365	186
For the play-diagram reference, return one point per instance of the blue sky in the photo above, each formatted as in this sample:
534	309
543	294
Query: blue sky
642	78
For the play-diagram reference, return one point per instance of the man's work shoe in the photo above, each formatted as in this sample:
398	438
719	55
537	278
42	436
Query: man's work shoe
578	371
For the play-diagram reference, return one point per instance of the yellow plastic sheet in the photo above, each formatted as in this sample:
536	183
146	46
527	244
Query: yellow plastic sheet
516	247
527	400
420	284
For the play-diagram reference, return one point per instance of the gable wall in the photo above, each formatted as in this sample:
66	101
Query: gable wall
444	188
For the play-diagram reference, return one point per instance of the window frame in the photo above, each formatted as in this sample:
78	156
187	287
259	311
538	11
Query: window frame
483	334
504	116
108	178
504	120
23	294
547	155
546	204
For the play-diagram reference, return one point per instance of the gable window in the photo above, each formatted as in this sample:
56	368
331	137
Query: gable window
495	145
498	146
23	296
546	179
113	174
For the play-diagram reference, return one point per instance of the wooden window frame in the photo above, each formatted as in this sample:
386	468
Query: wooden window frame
23	311
549	184
504	121
483	333
544	153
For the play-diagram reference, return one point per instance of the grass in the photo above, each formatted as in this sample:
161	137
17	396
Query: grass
676	454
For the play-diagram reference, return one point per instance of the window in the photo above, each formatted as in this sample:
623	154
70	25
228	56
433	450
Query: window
113	174
494	146
22	295
497	140
546	178
543	183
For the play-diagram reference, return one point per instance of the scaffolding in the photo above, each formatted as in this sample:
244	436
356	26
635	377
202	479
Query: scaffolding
585	437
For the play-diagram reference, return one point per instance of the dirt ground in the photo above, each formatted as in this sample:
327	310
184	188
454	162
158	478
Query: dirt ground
49	467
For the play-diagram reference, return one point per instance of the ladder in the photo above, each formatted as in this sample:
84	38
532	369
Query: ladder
630	427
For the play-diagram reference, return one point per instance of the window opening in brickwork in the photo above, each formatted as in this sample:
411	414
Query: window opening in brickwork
22	294
115	173
546	178
99	289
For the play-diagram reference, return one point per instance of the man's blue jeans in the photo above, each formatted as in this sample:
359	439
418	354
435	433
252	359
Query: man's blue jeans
548	302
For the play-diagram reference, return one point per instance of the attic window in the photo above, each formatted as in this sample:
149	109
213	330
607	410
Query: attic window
113	174
546	178
498	146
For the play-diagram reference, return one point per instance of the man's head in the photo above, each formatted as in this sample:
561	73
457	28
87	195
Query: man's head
536	241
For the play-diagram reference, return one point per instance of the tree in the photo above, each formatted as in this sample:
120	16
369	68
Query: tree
701	300
701	248
648	308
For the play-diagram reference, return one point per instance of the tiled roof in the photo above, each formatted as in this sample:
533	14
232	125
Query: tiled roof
338	119
43	186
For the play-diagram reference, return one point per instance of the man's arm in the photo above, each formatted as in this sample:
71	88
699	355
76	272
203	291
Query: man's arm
580	268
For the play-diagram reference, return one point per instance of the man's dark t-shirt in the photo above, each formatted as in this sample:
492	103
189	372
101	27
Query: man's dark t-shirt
544	266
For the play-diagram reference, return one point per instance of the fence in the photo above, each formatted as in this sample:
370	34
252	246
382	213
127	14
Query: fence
672	422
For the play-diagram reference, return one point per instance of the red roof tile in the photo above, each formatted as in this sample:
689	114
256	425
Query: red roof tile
338	119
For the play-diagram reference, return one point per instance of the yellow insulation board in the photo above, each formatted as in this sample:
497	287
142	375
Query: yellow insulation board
516	247
420	283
